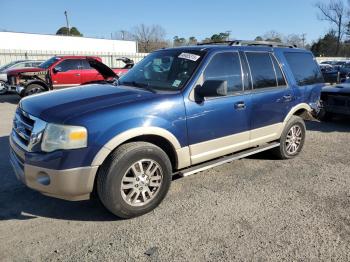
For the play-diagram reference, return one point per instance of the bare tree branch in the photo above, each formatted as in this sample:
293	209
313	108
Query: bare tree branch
334	12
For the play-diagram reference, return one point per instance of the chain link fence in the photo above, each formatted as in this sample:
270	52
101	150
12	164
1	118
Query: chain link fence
109	58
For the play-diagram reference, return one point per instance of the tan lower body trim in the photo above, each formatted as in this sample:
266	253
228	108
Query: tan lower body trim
229	144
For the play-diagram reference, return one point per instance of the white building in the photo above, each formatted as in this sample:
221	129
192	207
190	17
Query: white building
38	42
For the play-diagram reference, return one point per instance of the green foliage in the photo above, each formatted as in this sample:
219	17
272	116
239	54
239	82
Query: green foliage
72	32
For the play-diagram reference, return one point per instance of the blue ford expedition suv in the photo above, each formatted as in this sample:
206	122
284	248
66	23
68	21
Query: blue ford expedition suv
178	111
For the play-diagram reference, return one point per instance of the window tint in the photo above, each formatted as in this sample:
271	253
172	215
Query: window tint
280	78
86	65
262	70
69	64
225	66
304	68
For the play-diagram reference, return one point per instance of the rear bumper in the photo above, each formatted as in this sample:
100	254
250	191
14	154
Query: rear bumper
69	184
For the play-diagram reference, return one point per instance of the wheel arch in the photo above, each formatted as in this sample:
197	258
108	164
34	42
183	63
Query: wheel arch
179	156
303	110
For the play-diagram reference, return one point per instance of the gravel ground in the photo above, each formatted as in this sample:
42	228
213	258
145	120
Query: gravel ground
252	209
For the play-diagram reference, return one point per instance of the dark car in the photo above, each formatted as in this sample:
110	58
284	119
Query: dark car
335	101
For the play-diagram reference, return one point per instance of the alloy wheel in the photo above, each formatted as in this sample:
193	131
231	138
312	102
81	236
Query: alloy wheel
141	182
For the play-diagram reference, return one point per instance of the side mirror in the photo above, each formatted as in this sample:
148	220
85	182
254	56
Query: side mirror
212	88
57	69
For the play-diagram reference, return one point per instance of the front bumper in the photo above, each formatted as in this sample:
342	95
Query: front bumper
69	184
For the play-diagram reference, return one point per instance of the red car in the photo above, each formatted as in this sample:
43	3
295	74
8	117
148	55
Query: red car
63	71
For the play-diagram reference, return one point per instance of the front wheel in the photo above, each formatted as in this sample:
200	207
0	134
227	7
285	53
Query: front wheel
134	179
292	139
33	89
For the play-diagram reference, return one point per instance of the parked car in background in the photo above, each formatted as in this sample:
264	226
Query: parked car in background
14	65
180	110
330	74
56	73
335	101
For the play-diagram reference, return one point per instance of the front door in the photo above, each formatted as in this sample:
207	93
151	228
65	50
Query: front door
272	98
66	73
219	125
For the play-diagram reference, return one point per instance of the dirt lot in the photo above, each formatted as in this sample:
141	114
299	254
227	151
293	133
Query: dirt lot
251	209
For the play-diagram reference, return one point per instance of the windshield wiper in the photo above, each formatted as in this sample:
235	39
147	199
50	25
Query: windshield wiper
138	85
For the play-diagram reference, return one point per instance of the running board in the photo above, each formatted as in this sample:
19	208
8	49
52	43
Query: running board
226	159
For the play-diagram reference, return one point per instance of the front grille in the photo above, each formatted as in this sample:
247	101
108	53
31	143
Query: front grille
27	130
342	101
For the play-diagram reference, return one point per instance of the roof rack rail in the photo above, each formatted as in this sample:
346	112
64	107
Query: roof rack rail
250	43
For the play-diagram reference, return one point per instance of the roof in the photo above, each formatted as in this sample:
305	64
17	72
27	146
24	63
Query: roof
238	45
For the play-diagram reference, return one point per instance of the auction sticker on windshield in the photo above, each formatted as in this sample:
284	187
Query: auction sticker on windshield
189	56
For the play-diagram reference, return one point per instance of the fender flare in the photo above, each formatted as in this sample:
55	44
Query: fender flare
132	133
297	108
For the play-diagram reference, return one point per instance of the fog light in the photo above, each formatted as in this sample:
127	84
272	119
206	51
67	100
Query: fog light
43	178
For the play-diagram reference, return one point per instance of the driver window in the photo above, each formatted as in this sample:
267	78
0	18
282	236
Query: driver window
225	67
69	64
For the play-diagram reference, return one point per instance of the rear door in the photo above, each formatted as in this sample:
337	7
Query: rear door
272	98
219	125
66	73
89	74
307	75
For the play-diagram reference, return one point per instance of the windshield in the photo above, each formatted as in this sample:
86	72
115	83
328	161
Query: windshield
163	70
49	62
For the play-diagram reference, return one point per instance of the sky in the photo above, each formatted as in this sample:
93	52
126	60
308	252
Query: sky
184	18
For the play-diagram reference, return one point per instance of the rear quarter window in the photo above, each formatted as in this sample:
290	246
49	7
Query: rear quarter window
304	68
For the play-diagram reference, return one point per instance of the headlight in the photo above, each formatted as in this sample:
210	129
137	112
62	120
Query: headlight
63	137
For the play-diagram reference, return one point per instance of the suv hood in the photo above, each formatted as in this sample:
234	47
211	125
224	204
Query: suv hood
15	72
103	69
62	105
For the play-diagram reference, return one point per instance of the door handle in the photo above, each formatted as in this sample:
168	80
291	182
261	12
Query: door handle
77	74
239	105
287	98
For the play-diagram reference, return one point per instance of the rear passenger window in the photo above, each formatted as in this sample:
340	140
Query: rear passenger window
304	68
262	70
225	66
279	75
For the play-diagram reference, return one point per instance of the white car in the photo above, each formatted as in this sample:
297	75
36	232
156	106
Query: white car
14	65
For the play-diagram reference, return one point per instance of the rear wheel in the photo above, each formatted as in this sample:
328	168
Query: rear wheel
134	179
33	89
292	139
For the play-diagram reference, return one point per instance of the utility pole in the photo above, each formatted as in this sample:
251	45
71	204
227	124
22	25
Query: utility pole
303	38
228	32
67	22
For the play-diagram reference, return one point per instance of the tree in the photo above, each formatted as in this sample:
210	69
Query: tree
295	39
258	38
75	32
326	46
192	40
335	13
179	41
149	38
219	37
64	31
273	36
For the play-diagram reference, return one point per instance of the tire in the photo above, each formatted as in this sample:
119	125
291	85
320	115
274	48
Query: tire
291	146
33	89
141	191
3	88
